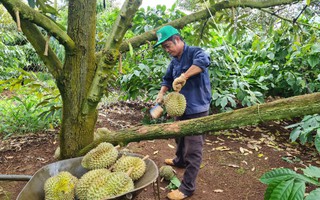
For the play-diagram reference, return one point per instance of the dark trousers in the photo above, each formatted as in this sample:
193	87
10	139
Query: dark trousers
189	156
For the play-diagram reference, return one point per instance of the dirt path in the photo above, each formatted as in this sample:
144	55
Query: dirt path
233	161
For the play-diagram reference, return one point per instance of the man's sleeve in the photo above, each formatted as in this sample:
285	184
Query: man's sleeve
201	59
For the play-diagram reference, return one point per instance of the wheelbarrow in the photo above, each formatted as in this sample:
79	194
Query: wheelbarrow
34	189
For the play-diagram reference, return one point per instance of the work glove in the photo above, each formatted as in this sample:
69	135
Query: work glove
179	82
159	98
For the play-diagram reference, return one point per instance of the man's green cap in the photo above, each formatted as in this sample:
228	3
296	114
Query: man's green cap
165	33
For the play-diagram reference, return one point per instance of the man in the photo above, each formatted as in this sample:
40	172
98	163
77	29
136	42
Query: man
188	74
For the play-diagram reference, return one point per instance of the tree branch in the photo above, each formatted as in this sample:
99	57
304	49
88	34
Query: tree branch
277	110
295	19
201	15
258	3
39	19
110	53
288	20
38	42
122	23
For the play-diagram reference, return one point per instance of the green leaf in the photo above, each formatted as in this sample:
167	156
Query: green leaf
280	174
308	2
294	135
315	48
307	179
224	102
312	171
314	195
174	183
279	190
298	190
233	103
270	55
313	60
137	73
293	125
215	96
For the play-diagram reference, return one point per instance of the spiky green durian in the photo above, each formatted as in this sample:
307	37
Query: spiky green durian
175	104
103	156
106	186
126	162
167	172
60	186
86	180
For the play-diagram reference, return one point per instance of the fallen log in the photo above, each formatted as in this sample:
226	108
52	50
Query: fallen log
286	108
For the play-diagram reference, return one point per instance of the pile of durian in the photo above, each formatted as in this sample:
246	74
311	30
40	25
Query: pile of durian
108	176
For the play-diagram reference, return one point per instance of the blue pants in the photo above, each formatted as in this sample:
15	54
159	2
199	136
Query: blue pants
189	156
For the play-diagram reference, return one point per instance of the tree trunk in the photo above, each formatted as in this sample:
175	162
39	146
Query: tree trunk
76	78
83	82
277	110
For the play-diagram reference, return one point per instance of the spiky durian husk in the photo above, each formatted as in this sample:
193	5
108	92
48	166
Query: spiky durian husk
110	185
103	156
126	162
166	172
60	186
86	180
175	104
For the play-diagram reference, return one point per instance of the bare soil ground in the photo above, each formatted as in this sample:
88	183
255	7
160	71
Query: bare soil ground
233	160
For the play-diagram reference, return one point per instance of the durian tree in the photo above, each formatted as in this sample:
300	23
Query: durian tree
83	76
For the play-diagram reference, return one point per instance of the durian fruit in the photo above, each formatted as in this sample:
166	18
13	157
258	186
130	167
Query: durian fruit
101	132
167	172
60	187
107	186
124	163
103	156
87	179
175	104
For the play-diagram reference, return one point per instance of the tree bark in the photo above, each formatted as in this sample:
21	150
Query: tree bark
76	78
281	109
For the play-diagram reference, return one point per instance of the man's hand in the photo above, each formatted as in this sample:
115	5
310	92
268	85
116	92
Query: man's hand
179	82
159	98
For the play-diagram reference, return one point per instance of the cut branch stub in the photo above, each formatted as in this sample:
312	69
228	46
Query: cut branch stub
18	20
47	45
110	56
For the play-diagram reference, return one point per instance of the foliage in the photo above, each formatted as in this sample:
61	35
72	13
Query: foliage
254	65
147	75
105	21
146	67
15	52
190	5
276	59
43	5
286	184
32	108
150	18
307	131
21	115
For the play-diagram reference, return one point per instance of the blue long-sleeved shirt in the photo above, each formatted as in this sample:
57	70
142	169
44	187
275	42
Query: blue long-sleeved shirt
197	89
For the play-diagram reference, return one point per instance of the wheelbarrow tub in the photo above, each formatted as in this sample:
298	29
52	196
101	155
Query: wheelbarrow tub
34	189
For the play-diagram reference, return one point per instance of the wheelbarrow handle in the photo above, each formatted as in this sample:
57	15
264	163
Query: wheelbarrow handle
14	177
